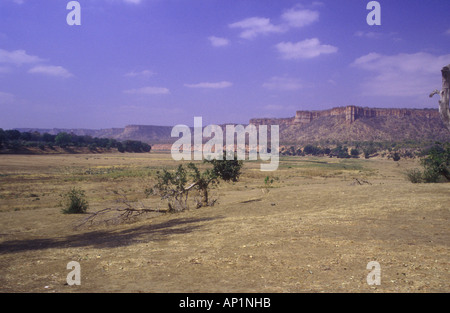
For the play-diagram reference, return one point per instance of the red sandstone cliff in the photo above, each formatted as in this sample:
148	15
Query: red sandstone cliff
350	113
352	123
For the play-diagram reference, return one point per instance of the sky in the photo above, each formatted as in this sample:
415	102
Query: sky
164	62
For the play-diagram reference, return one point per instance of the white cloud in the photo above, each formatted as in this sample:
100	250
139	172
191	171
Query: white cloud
50	70
6	97
19	1
218	41
394	36
254	26
300	18
133	1
403	74
219	85
447	32
150	90
318	4
283	84
18	57
371	35
294	18
144	73
306	49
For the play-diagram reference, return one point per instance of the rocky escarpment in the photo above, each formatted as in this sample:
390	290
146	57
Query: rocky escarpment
349	113
352	123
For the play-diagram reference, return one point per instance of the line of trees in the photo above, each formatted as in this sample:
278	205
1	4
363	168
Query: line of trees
15	140
360	149
340	151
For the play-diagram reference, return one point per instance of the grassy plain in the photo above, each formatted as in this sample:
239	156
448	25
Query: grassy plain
313	229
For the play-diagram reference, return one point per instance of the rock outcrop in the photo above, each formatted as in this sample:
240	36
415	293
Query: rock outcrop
349	113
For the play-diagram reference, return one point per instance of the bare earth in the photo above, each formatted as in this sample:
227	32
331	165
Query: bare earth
314	229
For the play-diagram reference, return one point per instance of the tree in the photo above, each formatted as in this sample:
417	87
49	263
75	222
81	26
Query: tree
63	139
26	136
369	150
354	153
437	160
146	147
312	150
48	138
12	135
176	186
444	108
120	147
2	137
436	164
341	152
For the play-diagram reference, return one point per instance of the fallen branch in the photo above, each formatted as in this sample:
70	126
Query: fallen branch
125	213
121	215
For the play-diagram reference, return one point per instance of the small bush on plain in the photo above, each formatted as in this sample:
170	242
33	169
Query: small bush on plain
74	202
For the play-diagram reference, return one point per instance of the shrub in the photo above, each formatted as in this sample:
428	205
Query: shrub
437	161
431	175
396	157
354	153
415	176
74	202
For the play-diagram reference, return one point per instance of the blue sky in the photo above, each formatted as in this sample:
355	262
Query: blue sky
162	62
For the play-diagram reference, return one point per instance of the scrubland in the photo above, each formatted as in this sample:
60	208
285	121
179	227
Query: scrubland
313	226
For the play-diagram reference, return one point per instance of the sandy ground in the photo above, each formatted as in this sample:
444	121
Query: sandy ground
314	229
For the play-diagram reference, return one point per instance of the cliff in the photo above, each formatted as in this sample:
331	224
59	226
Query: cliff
352	123
349	113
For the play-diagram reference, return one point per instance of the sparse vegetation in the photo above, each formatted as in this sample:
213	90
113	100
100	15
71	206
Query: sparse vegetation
415	176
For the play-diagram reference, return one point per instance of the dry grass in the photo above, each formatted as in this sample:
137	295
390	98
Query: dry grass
312	229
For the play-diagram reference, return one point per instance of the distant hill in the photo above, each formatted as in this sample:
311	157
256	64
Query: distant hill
349	123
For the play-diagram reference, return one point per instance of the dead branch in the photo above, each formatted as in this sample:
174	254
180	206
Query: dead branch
126	212
120	215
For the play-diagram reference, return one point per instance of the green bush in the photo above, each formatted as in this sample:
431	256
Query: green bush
74	202
396	157
437	161
354	153
431	175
